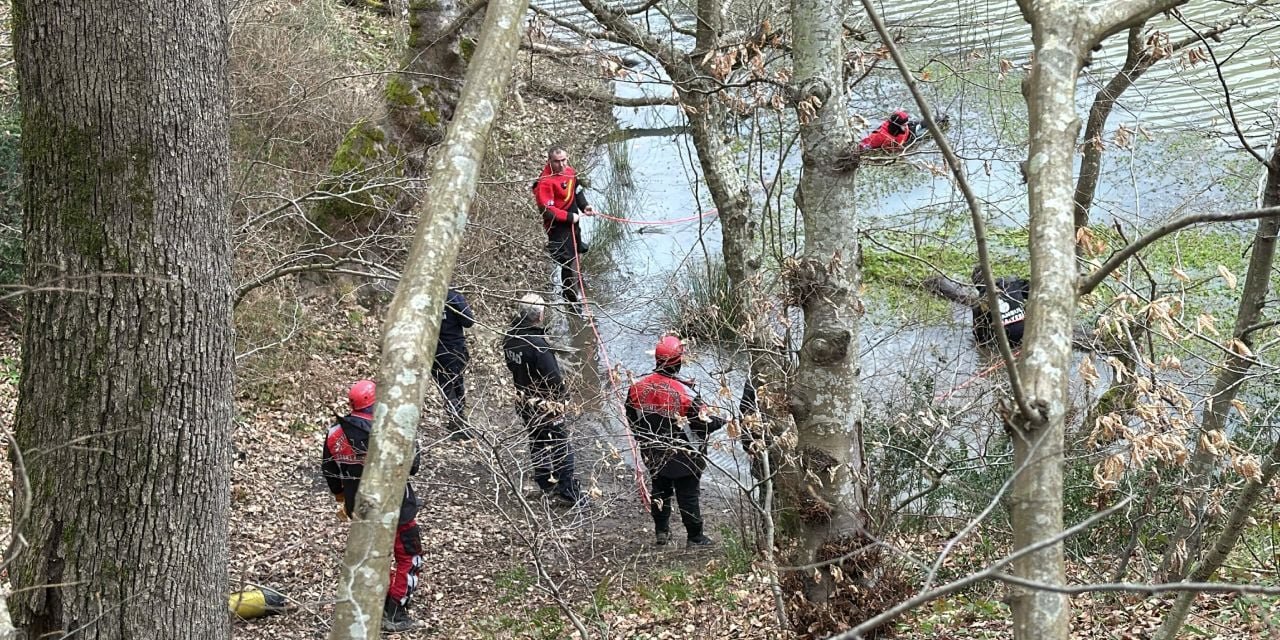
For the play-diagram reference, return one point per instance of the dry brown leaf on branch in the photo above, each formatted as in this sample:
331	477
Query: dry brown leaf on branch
1088	371
1215	442
1170	362
1204	323
1121	371
1124	137
1240	408
1247	465
1240	348
1090	242
1228	276
1108	472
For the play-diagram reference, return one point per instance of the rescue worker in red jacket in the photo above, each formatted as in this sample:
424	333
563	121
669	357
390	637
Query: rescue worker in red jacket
893	133
562	202
343	464
668	419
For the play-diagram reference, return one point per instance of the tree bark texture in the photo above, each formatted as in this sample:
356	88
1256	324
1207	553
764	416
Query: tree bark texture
1036	495
828	478
1186	540
413	326
419	99
1063	32
127	363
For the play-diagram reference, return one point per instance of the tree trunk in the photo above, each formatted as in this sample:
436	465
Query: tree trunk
126	390
1062	33
828	479
1036	496
1136	63
413	325
1233	372
419	101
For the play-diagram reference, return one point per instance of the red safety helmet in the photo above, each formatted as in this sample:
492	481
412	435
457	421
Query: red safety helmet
899	117
362	394
669	351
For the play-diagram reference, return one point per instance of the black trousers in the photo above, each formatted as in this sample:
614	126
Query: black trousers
562	249
447	372
553	463
686	491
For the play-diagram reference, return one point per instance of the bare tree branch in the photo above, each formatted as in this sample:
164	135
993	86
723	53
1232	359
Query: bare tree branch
1226	93
1135	587
1106	18
992	571
1091	282
602	97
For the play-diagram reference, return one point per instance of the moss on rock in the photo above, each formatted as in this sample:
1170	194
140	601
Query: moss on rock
363	148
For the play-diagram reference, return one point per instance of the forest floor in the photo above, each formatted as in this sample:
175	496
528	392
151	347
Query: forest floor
496	564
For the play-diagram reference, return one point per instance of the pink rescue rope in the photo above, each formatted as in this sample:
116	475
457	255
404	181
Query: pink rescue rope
975	377
642	488
705	214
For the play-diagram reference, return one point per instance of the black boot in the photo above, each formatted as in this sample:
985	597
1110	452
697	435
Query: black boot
699	541
395	617
458	429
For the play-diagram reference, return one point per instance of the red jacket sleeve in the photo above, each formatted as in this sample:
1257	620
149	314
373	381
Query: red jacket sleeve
881	138
545	194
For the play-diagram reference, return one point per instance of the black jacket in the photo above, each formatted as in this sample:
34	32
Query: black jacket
532	364
1013	299
457	316
345	448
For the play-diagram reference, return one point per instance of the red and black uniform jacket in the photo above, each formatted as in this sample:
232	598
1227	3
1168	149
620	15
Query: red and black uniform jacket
885	138
343	463
558	197
663	413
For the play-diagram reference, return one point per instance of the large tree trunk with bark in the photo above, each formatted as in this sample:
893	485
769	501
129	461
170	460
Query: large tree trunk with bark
1186	541
1063	32
127	353
826	481
413	326
1045	368
419	99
